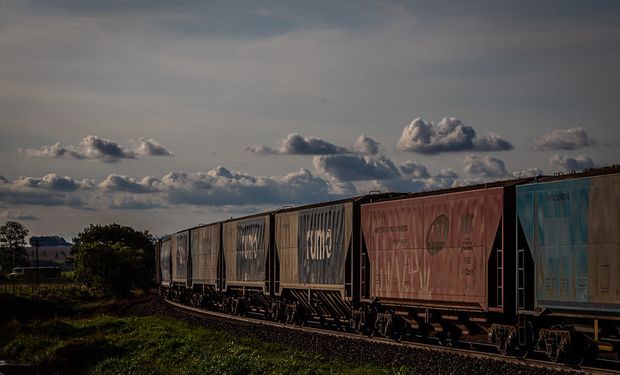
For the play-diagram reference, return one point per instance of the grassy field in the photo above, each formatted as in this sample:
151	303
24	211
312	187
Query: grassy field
72	337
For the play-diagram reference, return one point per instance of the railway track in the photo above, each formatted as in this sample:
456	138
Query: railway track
601	367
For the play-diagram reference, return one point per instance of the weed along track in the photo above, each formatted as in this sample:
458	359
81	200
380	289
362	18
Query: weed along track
355	348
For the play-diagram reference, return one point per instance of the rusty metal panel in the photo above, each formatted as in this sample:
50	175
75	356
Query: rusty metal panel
575	242
570	230
604	241
433	249
164	261
286	245
246	242
180	256
205	246
313	245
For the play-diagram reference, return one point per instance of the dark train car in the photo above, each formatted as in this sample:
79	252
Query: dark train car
180	258
443	261
205	257
246	247
165	264
569	264
318	257
157	262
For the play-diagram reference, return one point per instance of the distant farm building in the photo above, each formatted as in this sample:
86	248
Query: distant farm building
53	251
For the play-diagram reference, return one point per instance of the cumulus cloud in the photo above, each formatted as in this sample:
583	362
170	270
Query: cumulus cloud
53	181
55	151
216	187
564	139
577	163
221	186
485	166
530	172
150	147
413	169
365	145
96	148
49	190
296	144
116	182
355	167
448	173
449	135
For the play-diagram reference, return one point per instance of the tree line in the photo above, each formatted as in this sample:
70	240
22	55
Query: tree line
111	259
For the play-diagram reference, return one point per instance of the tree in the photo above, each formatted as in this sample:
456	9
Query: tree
12	245
113	258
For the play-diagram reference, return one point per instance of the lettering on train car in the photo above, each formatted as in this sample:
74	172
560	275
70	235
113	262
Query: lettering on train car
250	250
467	246
437	234
319	244
391	229
558	197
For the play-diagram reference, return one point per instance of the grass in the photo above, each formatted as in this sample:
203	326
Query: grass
104	344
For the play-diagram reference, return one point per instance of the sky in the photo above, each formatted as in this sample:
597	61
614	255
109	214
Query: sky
162	115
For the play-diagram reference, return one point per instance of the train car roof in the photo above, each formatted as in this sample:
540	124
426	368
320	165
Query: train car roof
378	196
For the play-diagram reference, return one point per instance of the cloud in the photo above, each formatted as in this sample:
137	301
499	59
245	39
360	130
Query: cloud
449	135
485	166
413	169
116	182
55	151
17	215
49	190
93	147
448	173
296	144
355	167
577	163
530	172
151	147
564	139
216	187
365	145
54	182
221	186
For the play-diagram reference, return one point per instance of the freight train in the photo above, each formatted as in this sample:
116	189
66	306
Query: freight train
527	264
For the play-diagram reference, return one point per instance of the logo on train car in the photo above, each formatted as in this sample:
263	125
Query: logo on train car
319	244
437	234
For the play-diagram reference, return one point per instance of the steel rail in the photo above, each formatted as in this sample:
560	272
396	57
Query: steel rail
535	363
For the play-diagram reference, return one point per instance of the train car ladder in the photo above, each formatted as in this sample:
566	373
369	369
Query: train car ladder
521	279
500	277
521	318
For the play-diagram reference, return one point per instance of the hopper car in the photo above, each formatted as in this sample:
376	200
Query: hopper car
526	264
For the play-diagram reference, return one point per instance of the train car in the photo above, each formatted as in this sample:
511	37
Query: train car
246	246
442	263
157	262
569	264
165	264
180	269
205	264
317	258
